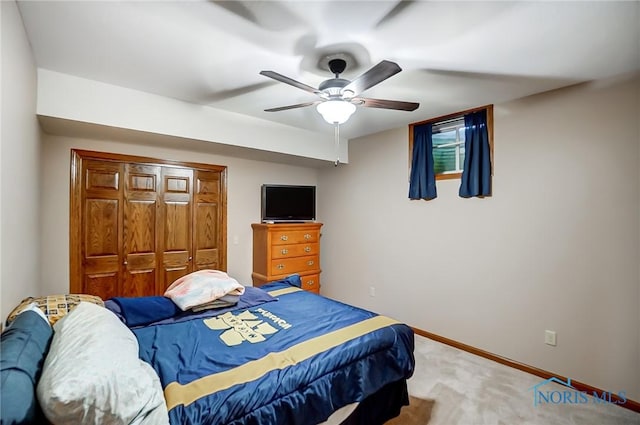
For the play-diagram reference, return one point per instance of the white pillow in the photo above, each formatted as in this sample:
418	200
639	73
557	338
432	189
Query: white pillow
202	287
92	373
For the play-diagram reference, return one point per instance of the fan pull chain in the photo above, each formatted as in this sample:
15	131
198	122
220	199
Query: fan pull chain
337	137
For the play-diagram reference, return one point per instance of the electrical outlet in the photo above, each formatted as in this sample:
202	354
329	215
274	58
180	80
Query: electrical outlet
372	291
550	338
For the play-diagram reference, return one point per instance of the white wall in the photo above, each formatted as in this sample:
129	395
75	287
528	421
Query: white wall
244	178
19	166
79	99
556	247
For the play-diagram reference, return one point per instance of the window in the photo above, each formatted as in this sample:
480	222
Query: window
448	142
448	146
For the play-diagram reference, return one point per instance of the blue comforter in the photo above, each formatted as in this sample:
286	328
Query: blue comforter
292	361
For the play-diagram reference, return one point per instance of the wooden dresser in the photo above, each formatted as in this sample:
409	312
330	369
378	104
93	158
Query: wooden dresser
283	249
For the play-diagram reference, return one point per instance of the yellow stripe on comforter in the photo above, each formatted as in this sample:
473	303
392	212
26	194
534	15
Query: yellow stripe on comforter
184	394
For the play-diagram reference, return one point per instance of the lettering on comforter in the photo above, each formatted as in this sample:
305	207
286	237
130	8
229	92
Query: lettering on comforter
245	326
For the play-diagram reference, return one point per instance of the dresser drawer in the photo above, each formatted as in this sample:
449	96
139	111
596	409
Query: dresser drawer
311	283
286	266
297	250
286	237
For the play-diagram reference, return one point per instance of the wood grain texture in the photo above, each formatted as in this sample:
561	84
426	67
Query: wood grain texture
211	238
100	227
282	249
138	223
177	225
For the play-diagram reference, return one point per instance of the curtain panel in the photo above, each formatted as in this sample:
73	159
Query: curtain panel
422	183
476	176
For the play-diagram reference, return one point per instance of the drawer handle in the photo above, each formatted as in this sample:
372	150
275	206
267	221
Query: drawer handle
310	263
285	251
284	238
311	283
280	266
307	249
307	236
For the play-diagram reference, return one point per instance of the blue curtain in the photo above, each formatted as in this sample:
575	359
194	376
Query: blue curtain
422	184
476	177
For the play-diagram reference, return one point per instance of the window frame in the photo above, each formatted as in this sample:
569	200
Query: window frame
449	117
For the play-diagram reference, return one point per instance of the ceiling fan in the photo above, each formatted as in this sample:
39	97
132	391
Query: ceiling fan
339	97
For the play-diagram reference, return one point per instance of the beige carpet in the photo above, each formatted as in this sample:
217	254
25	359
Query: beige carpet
453	387
418	412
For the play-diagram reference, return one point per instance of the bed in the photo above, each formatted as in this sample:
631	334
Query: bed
292	358
280	355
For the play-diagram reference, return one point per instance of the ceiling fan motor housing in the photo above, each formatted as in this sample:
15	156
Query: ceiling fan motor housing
333	86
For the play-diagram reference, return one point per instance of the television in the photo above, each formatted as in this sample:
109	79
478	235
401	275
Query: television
288	203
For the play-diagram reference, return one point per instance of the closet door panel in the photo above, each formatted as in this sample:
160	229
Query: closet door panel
101	227
140	282
176	221
104	285
140	230
207	220
101	200
206	236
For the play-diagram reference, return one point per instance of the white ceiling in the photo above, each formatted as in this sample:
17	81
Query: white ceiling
454	55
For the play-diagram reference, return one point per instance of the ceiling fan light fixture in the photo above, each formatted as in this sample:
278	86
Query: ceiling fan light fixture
348	94
336	111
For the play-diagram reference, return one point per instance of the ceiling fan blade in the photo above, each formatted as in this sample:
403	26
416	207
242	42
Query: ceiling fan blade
399	7
271	16
373	76
235	92
290	81
386	104
298	105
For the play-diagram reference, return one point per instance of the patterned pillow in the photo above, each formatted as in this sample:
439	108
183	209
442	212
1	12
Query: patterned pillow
54	306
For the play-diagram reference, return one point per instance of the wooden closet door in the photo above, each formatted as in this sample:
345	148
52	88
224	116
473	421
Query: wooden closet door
137	224
208	221
100	224
140	230
176	222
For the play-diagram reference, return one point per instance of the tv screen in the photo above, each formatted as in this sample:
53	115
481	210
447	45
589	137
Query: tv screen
288	203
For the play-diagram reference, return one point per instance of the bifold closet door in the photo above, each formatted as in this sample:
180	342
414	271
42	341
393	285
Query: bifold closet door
140	230
100	210
176	225
208	221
